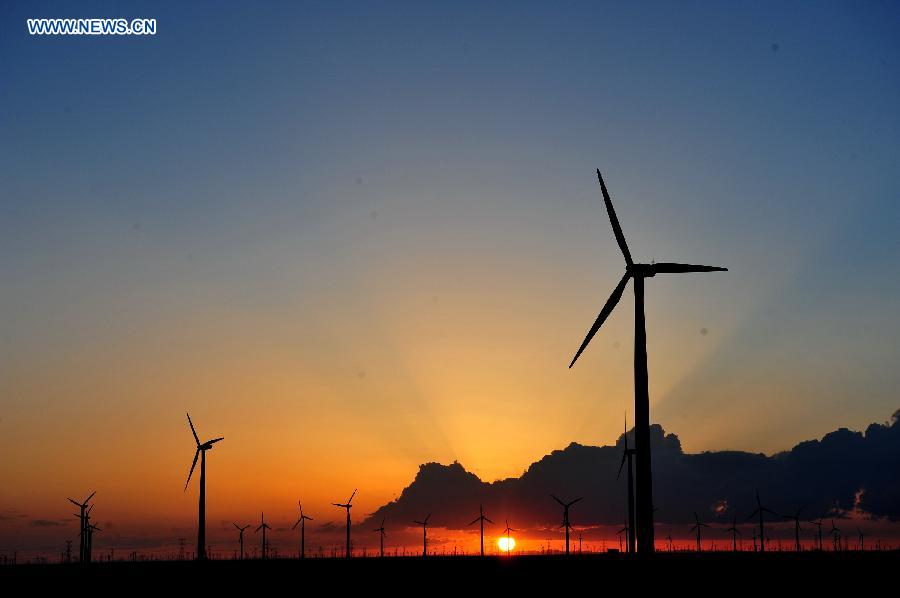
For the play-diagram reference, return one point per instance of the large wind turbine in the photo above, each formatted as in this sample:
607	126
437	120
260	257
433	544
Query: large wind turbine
565	523
424	525
348	505
797	529
201	452
627	454
481	518
82	534
638	272
302	523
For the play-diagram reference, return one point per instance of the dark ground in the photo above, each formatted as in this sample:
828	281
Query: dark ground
771	573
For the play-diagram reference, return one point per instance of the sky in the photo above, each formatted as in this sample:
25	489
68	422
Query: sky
353	237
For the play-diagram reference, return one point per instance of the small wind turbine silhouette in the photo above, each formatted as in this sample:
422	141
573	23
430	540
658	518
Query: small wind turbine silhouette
565	522
381	535
797	529
82	534
818	525
638	272
481	518
241	537
91	528
424	525
862	539
302	523
734	533
201	452
762	531
697	527
348	505
263	526
619	533
507	531
835	536
627	454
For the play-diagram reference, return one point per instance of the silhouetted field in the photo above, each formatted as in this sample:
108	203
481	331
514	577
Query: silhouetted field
720	572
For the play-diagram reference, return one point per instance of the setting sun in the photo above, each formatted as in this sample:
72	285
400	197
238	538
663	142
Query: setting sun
506	543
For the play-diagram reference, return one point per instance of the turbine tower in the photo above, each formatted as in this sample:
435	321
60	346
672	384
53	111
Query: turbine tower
818	525
381	535
565	522
348	505
759	511
697	527
481	517
200	452
424	525
241	538
638	272
82	533
302	523
263	526
627	454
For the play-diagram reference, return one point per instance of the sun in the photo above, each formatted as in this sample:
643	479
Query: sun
506	543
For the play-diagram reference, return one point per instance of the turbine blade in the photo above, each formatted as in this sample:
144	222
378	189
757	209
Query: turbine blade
488	520
88	499
77	504
193	431
614	220
557	500
215	440
671	268
604	313
193	465
576	500
621	465
476	520
351	496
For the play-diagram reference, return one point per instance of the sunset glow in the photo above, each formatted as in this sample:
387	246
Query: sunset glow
506	544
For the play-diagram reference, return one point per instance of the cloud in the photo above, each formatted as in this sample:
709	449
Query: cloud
843	472
49	522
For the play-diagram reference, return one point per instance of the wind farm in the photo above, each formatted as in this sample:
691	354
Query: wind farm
431	254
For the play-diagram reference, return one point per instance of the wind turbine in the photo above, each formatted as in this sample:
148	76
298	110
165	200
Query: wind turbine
734	533
797	529
481	518
862	539
565	522
626	455
263	526
638	272
91	528
619	533
759	511
348	505
82	535
506	531
302	523
697	527
201	452
818	525
381	535
241	529
424	525
835	536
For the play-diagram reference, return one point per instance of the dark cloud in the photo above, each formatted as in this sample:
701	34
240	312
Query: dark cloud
49	522
824	476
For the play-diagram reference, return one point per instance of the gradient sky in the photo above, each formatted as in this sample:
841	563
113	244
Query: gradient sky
354	237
